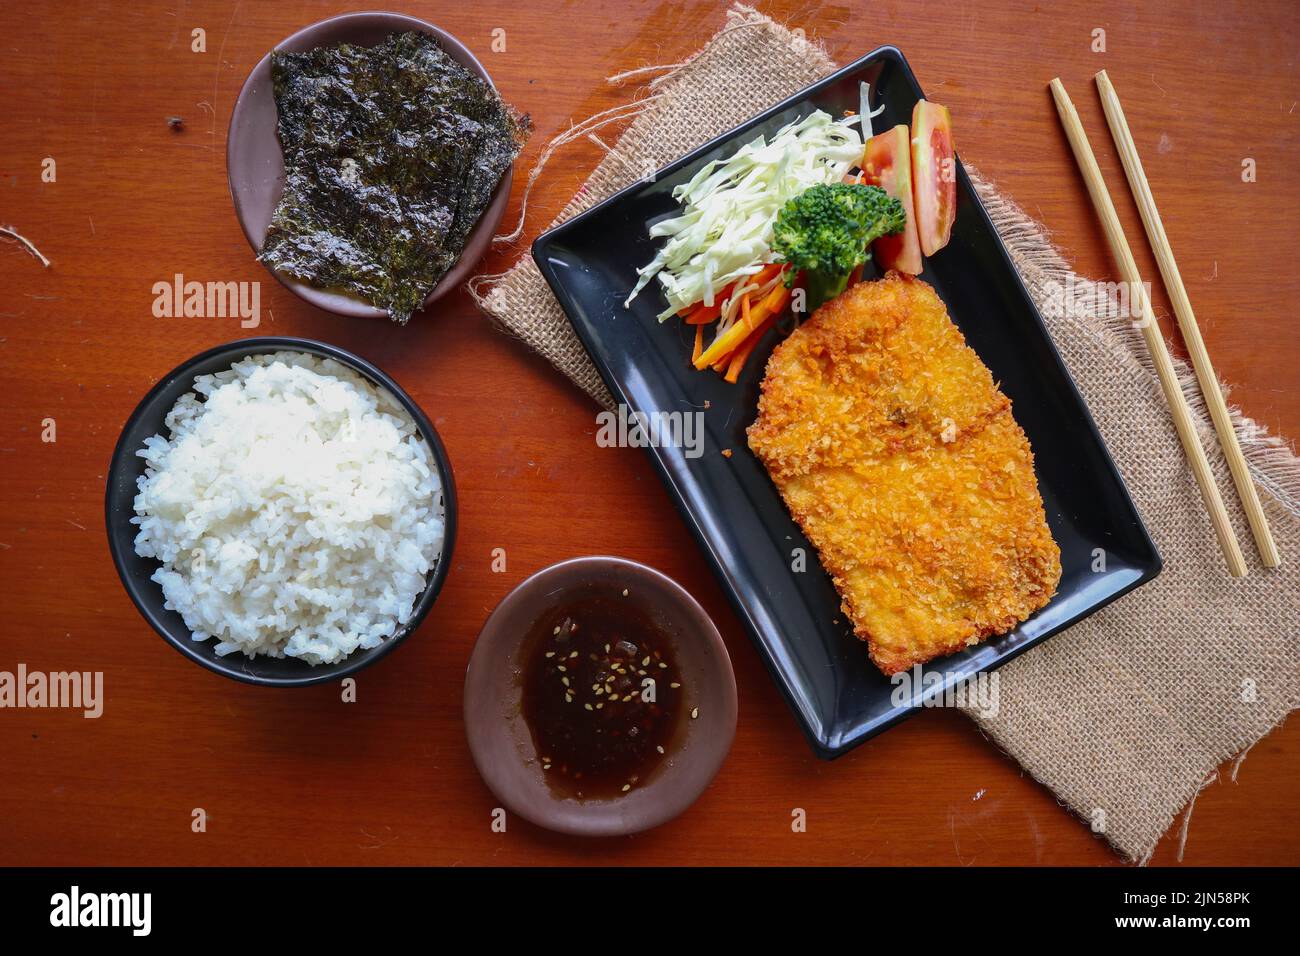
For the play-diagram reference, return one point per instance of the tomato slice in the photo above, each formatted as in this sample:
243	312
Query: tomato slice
934	175
887	163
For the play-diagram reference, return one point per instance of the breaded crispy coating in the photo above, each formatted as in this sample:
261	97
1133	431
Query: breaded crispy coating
899	458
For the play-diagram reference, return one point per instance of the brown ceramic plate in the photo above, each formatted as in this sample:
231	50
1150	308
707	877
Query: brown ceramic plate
255	165
502	744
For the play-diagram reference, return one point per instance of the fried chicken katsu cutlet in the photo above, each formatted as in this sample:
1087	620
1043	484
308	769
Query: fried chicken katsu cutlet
898	456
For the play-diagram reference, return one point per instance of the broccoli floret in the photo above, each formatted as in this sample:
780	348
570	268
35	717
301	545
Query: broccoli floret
825	231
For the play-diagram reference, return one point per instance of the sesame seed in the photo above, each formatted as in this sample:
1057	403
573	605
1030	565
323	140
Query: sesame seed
695	712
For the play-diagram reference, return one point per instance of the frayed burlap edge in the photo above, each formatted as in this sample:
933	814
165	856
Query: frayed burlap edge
1276	471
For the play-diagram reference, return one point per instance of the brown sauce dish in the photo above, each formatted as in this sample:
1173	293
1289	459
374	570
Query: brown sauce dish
599	698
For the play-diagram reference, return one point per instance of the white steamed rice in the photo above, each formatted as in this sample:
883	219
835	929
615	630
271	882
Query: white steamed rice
296	511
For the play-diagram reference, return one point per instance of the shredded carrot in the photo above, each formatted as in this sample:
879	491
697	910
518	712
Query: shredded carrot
744	308
704	314
699	313
742	353
729	340
776	299
710	312
715	356
699	342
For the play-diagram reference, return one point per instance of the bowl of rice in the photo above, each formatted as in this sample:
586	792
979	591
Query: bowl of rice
280	511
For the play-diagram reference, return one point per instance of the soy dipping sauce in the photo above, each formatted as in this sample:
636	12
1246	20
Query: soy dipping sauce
601	693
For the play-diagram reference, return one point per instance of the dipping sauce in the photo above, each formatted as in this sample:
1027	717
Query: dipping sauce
601	693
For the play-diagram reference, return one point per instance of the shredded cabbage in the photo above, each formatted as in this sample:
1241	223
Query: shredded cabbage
725	231
865	111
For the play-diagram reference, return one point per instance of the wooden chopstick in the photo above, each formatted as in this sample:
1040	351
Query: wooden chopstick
1205	374
1119	248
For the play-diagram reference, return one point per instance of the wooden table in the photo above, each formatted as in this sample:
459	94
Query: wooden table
294	777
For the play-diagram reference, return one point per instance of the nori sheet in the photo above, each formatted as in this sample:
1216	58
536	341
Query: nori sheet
391	154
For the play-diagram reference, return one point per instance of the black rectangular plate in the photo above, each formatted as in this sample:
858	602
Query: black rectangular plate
730	504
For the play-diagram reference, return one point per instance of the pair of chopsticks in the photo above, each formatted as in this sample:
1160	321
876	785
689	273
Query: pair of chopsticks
1205	373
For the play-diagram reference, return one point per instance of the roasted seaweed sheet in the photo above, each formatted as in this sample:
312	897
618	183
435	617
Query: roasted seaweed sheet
391	154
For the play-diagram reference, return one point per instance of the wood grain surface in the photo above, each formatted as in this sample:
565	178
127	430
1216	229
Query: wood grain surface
299	777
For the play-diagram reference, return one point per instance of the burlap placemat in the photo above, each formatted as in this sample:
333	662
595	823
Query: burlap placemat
1128	714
